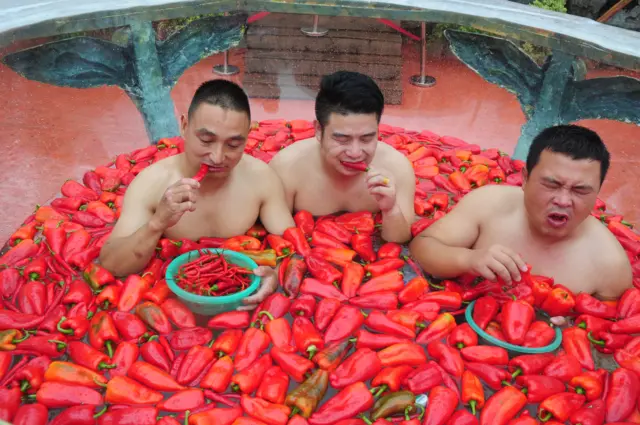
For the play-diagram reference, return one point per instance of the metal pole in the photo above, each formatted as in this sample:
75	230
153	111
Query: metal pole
315	31
225	68
423	80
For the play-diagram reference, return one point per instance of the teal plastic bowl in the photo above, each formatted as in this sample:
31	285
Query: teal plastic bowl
510	347
205	305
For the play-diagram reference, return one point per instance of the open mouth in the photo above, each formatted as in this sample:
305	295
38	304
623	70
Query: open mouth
557	219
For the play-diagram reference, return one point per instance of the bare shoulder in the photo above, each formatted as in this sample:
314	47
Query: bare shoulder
259	172
389	158
492	199
287	161
151	183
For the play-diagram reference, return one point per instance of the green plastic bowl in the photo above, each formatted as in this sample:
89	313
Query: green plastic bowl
510	347
205	305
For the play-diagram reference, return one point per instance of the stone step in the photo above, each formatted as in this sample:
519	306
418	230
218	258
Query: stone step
336	41
293	20
318	63
305	87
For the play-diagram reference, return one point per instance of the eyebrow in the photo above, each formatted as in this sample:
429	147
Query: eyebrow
336	134
206	132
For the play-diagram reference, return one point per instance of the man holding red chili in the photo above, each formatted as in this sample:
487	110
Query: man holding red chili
547	222
345	167
165	199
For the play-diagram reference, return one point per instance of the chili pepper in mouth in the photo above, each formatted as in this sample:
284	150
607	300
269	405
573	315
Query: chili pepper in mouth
358	166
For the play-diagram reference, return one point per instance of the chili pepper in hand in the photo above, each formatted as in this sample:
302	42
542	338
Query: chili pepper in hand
538	388
351	370
497	356
56	395
529	364
274	385
297	238
563	367
349	402
502	406
559	406
71	373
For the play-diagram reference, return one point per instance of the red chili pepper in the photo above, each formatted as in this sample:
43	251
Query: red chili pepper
219	376
26	231
377	321
274	385
590	414
129	327
494	377
517	317
439	328
9	402
576	343
423	378
56	395
448	357
32	298
590	386
629	303
413	290
622	394
357	222
51	345
25	249
563	367
406	318
529	364
154	317
196	360
103	332
389	250
442	404
540	334
280	245
363	245
303	305
592	323
276	304
187	399
322	270
73	189
463	336
349	402
331	356
388	282
379	300
391	378
502	406
402	353
253	343
296	236
319	239
125	355
31	414
364	339
607	342
346	321
325	312
538	388
559	302
496	356
294	365
560	406
130	416
304	221
89	357
446	299
587	304
472	391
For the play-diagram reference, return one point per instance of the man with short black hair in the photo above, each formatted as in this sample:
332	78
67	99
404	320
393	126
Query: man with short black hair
494	230
238	189
345	167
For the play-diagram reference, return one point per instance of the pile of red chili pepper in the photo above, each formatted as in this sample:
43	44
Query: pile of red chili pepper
353	336
211	274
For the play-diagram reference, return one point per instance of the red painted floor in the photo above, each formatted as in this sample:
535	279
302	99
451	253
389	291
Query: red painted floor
50	133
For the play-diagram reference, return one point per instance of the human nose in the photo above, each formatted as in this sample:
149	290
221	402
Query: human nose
216	155
562	198
354	150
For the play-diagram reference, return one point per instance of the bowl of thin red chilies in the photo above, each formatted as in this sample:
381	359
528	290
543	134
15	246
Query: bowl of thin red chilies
519	330
212	280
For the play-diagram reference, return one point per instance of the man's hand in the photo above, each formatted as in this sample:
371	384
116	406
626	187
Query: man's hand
497	261
179	198
382	188
268	286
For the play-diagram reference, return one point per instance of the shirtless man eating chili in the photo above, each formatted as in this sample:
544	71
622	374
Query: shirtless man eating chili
345	167
164	199
547	223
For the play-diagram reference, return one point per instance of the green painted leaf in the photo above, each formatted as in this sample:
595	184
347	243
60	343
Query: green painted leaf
614	98
198	40
500	62
79	62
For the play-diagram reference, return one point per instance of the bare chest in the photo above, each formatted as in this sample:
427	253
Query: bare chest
320	197
227	213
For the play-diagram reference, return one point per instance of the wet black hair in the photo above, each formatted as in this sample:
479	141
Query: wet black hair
346	92
574	141
222	93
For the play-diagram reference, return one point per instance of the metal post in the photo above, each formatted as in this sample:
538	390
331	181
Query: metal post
225	68
315	31
423	80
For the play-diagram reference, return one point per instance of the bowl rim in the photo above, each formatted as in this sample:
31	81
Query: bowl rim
508	346
204	299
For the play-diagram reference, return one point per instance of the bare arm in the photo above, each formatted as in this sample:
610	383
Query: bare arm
443	249
396	223
280	166
275	214
135	236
